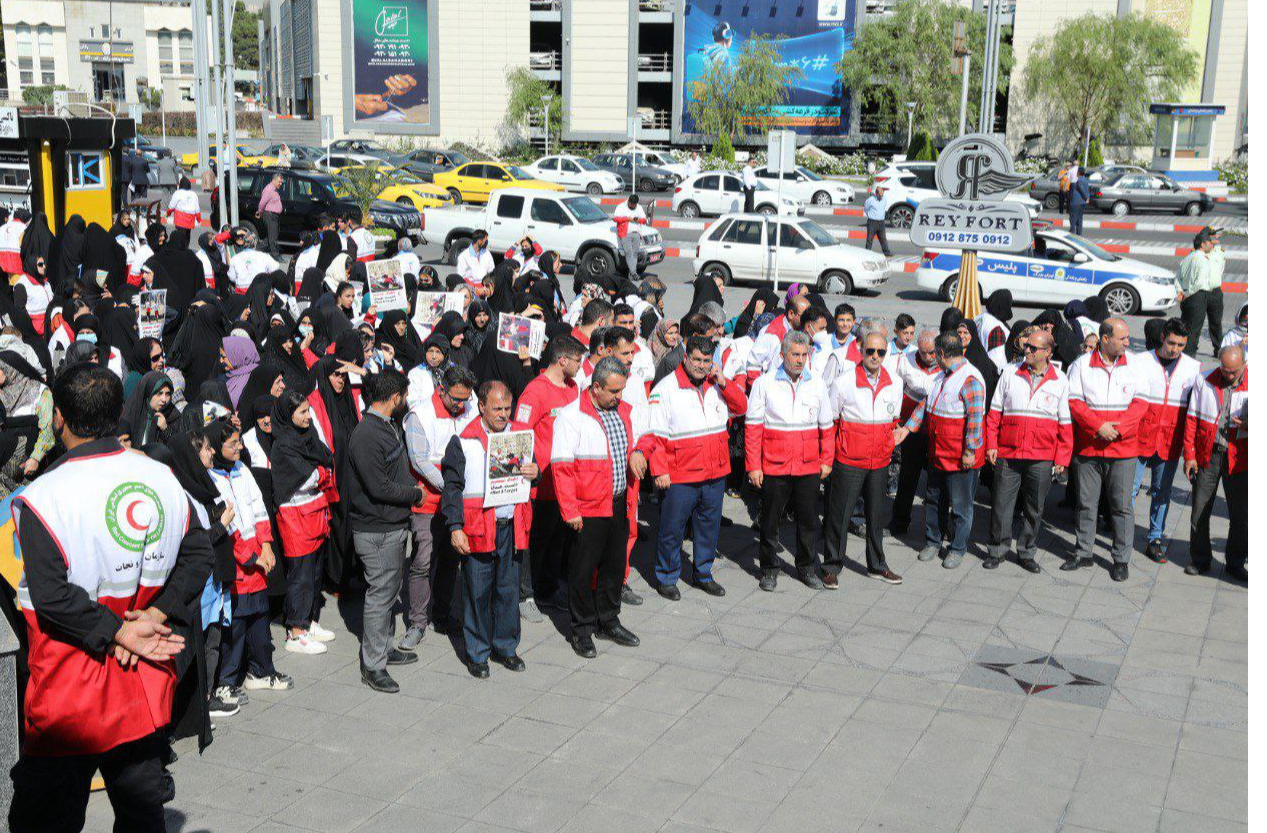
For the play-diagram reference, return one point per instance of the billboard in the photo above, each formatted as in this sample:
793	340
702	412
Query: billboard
390	63
811	34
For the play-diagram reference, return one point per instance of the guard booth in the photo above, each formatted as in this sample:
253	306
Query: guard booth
75	165
1183	136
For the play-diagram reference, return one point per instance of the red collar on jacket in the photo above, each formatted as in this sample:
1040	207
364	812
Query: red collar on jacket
685	382
1215	379
441	411
581	336
623	408
476	430
1098	361
1047	376
884	379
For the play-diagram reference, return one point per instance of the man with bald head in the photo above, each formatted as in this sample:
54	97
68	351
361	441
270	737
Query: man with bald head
1028	437
1216	448
915	370
1107	401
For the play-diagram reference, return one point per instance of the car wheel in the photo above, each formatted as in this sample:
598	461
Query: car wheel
836	282
1051	202
594	189
1192	209
247	225
822	198
646	185
457	196
1120	299
901	216
598	263
456	246
767	210
688	209
1121	208
406	201
950	287
717	270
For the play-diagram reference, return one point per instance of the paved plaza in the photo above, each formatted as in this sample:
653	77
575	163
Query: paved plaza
964	700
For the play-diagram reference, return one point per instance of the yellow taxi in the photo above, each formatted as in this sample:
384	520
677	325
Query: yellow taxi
245	156
408	189
474	181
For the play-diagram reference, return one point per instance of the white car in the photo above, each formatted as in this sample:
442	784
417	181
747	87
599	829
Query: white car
804	184
741	247
576	173
720	192
1061	267
907	184
337	160
663	160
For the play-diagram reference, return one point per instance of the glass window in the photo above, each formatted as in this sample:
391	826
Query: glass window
790	238
83	170
516	172
510	206
246	182
186	53
816	233
585	164
48	75
708	183
549	211
810	175
569	167
298	188
550	164
747	232
584	210
165	59
925	178
731	183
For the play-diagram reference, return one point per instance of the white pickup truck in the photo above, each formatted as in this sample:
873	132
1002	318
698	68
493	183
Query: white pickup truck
570	224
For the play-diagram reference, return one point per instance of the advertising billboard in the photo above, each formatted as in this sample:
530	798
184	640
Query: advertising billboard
390	63
810	34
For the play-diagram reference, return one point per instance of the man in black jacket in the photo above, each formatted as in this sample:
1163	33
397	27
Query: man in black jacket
380	495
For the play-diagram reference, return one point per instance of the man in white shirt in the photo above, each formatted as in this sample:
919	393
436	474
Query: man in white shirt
249	263
693	164
749	184
409	262
476	261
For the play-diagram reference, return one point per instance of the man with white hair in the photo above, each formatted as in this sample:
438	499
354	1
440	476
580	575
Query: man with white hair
409	262
249	263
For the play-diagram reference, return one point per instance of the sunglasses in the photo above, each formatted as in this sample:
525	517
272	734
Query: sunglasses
39	264
1030	348
157	357
875	351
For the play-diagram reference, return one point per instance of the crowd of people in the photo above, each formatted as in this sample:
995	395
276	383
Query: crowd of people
282	438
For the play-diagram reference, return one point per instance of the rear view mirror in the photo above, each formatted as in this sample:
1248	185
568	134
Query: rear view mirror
1080	257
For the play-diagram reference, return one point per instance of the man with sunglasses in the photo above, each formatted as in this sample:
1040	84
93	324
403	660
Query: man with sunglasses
1028	437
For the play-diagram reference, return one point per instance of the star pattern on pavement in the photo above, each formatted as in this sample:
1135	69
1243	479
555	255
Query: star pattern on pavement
1040	674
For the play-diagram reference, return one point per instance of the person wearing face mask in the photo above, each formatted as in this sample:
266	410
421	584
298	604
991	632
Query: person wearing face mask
526	253
476	262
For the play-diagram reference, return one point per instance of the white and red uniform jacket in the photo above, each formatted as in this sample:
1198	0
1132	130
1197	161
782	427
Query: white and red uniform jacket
686	436
945	418
117	542
1030	422
140	254
765	350
526	264
582	461
1161	429
364	244
642	367
184	209
474	266
787	431
1201	425
248	264
439	426
1099	393
734	360
303	521
539	407
38	297
11	246
250	527
208	271
635	392
625	216
321	420
917	381
467	458
863	416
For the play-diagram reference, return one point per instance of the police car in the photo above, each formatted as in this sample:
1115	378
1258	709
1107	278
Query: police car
907	184
1061	267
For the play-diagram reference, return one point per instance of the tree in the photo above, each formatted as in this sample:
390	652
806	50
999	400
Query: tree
363	183
1098	74
527	94
921	148
906	57
736	97
42	95
246	37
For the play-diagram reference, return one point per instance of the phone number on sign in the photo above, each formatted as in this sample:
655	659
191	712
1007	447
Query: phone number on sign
969	238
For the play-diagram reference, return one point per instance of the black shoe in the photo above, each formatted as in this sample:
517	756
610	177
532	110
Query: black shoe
398	657
1030	565
1119	572
479	670
445	626
379	681
769	580
898	530
629	597
858	529
991	563
1239	573
510	663
620	635
1156	551
669	591
711	587
583	645
1195	570
1076	563
809	576
725	522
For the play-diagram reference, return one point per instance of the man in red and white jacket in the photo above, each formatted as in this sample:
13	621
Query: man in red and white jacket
597	466
1028	436
916	371
626	214
689	453
1107	402
765	350
787	452
1168	376
863	404
11	242
1216	448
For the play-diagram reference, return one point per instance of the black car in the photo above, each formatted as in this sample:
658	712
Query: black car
307	195
650	178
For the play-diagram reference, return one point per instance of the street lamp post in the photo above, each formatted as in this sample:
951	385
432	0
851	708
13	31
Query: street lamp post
545	117
910	120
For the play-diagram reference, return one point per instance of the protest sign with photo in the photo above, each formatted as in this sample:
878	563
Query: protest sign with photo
516	331
386	285
429	306
151	313
508	453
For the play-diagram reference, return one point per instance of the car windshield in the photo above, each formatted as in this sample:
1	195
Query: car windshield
1091	248
585	164
458	157
657	159
585	211
817	233
808	174
517	172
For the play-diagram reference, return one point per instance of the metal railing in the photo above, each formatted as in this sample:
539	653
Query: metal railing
546	5
655	119
545	61
655	6
655	62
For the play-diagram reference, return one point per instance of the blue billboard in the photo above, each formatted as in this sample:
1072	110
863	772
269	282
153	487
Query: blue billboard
810	34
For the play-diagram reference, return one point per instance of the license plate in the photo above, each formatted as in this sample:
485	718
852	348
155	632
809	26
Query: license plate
656	257
415	231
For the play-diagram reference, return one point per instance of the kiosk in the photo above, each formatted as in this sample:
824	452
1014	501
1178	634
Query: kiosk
1182	141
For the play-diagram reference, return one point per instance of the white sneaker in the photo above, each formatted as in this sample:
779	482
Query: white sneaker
315	631
273	682
304	644
225	695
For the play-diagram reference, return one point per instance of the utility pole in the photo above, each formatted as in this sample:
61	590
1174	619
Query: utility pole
217	98
198	9
961	64
230	158
990	65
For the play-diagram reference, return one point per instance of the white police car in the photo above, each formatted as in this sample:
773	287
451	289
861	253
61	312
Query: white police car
1061	267
907	184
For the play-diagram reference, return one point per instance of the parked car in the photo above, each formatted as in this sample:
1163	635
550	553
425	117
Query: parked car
907	184
245	156
303	157
407	189
362	147
721	192
807	186
650	177
740	247
576	173
1129	192
306	195
333	162
148	149
1046	189
475	181
663	160
1061	267
427	162
570	224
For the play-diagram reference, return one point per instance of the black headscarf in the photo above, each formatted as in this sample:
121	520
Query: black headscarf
311	284
211	403
291	364
192	474
179	271
259	383
217	432
977	356
138	358
950	319
475	336
259	304
493	364
407	348
296	453
1068	342
137	410
70	253
1154	333
743	324
450	325
1097	309
335	320
999	304
340	407
705	291
118	325
429	279
196	348
502	276
331	247
37	242
1010	351
320	337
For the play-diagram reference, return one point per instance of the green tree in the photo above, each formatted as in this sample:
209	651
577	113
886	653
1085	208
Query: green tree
527	94
1097	74
905	57
1095	157
363	183
41	95
735	98
921	148
246	37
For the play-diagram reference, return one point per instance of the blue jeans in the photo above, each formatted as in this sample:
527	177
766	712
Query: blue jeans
949	494
700	505
1162	479
490	607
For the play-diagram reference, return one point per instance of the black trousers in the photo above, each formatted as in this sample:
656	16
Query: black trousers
776	492
1236	493
444	575
848	483
303	590
749	199
596	571
249	639
1198	308
50	795
1029	480
1075	217
272	224
914	462
875	231
545	567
